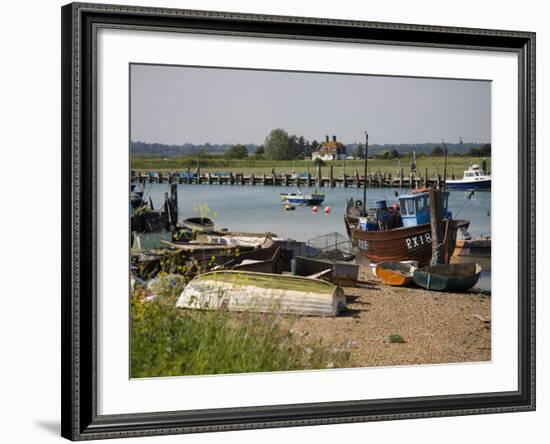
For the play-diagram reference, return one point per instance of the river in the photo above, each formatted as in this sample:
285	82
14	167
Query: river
259	209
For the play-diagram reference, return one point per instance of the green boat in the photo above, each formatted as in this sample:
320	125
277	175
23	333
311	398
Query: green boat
447	277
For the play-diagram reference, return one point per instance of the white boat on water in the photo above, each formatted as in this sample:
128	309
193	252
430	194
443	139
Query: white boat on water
474	179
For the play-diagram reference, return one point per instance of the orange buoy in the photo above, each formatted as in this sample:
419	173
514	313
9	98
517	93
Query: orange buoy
327	210
315	209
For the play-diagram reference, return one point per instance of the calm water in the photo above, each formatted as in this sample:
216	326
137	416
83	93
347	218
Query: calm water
259	209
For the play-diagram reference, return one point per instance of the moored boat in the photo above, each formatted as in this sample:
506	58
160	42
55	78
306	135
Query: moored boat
199	224
261	292
299	198
474	179
473	251
399	274
403	232
447	277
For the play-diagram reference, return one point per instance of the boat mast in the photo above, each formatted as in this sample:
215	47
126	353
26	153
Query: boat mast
445	166
365	180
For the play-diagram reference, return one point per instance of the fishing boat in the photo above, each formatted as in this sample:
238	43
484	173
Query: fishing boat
473	251
262	292
401	232
299	198
447	277
199	224
474	179
398	274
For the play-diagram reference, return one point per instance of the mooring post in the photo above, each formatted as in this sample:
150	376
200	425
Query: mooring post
401	178
252	179
174	204
426	178
436	223
319	178
331	176
345	182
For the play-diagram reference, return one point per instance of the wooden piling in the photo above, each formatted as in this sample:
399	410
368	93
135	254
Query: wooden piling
319	177
436	223
331	176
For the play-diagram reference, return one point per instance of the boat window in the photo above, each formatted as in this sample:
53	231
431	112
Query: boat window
420	204
410	206
403	207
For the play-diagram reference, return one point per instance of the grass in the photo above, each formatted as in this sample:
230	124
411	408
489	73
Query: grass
455	165
167	341
395	338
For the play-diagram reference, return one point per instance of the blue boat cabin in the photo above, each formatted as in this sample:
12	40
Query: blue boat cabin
415	208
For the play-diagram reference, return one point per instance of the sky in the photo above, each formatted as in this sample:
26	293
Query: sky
178	104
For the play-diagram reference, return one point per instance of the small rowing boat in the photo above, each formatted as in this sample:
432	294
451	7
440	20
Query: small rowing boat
199	224
398	274
447	277
262	292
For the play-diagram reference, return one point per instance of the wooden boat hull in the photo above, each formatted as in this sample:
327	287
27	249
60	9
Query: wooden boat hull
403	244
447	277
262	260
396	273
264	293
199	224
341	273
473	251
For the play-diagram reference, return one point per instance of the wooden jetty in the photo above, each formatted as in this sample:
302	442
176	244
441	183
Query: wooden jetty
374	180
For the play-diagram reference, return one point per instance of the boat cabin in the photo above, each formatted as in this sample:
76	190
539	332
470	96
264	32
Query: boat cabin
474	173
415	208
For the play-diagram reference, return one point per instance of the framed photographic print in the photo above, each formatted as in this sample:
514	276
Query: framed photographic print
279	221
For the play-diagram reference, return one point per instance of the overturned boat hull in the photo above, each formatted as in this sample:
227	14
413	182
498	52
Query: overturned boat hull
398	274
447	277
263	293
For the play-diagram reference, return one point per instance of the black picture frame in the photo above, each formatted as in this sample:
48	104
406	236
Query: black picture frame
79	172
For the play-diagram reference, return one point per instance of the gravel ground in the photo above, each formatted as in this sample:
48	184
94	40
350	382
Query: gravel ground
436	327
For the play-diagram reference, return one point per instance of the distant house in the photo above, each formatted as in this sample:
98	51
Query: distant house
330	150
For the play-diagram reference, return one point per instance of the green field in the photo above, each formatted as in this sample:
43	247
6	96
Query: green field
455	165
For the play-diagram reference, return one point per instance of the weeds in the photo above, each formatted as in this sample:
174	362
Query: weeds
167	341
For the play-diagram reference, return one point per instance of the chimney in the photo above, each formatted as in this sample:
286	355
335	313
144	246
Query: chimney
333	138
326	138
